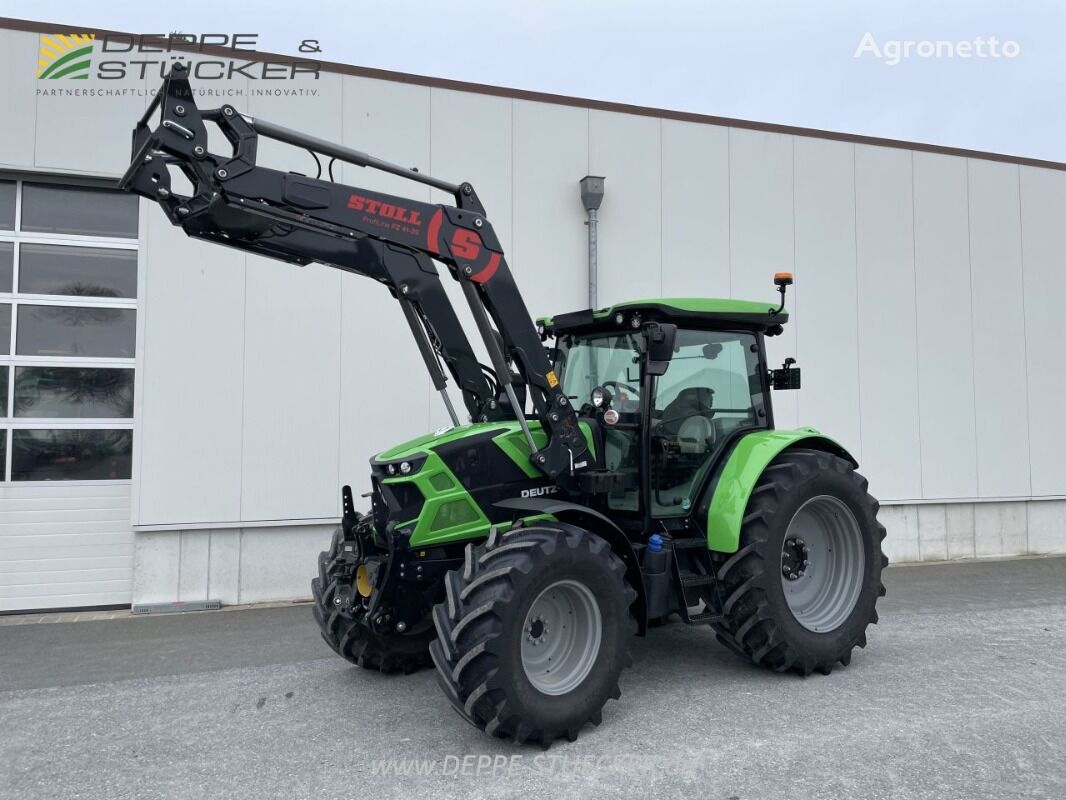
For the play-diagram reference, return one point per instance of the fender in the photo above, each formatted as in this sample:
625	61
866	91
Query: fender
742	471
593	520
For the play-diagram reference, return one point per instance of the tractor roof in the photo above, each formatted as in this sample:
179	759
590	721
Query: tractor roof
708	312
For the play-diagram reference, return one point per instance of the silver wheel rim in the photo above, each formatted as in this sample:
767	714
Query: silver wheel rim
561	637
822	564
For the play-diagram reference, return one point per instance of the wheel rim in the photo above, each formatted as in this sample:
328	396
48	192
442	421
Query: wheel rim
822	564
561	637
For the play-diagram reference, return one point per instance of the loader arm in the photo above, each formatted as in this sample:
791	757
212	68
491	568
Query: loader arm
394	240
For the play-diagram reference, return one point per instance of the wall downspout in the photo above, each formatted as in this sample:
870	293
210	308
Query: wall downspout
591	198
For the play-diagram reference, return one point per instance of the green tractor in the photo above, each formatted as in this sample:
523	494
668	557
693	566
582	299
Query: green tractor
620	468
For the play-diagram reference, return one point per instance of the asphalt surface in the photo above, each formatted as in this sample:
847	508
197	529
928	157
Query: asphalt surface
960	694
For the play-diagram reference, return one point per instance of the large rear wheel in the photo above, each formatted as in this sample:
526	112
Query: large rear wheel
534	633
801	590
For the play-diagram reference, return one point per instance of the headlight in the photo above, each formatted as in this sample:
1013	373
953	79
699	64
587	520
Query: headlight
619	318
634	321
400	469
599	397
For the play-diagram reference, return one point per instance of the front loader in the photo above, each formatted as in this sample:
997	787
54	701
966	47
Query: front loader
619	467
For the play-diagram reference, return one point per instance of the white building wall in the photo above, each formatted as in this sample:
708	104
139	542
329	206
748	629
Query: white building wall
997	296
1043	211
826	256
887	340
925	314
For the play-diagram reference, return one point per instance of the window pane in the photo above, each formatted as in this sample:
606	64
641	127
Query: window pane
3	399
82	271
7	262
75	331
7	205
50	208
73	392
62	455
5	328
708	392
3	455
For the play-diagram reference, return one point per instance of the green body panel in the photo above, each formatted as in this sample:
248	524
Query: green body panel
508	430
449	513
717	306
513	443
694	305
742	471
421	444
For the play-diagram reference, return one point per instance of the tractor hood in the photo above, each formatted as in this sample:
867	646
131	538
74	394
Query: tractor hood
421	445
443	486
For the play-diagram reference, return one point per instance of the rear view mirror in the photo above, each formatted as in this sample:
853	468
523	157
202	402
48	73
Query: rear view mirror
661	338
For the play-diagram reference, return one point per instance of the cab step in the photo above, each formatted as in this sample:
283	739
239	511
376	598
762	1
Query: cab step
690	579
689	543
686	578
702	618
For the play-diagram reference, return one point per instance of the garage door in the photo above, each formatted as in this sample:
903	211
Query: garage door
68	318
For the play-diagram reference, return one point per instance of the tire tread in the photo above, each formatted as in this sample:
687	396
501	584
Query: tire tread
748	627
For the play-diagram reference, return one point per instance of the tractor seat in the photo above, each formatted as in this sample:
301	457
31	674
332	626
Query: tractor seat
696	435
688	418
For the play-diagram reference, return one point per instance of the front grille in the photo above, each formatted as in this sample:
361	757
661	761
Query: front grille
397	502
378	509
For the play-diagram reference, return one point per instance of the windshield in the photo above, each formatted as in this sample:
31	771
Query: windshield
608	361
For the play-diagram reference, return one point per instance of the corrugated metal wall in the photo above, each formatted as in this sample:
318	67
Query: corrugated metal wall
923	312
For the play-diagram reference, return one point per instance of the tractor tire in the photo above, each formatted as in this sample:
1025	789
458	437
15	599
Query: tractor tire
801	590
534	633
355	641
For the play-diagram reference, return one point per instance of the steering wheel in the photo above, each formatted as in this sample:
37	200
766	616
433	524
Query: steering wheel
615	385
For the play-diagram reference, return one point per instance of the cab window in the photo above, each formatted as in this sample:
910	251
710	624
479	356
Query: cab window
610	361
712	388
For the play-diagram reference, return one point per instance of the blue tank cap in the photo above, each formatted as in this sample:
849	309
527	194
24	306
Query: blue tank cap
655	543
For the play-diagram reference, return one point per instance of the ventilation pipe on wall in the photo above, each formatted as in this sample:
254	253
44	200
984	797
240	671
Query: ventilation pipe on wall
591	197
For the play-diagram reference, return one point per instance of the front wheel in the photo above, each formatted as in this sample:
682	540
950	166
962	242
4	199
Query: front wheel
352	639
801	590
534	633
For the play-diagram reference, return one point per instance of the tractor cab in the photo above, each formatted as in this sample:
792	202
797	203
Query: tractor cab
669	385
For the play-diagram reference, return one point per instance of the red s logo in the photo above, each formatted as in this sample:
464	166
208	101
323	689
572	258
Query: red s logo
465	244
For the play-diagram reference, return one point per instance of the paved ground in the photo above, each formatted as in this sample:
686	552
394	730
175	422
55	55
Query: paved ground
961	694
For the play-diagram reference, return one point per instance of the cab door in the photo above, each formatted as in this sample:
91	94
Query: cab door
713	387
